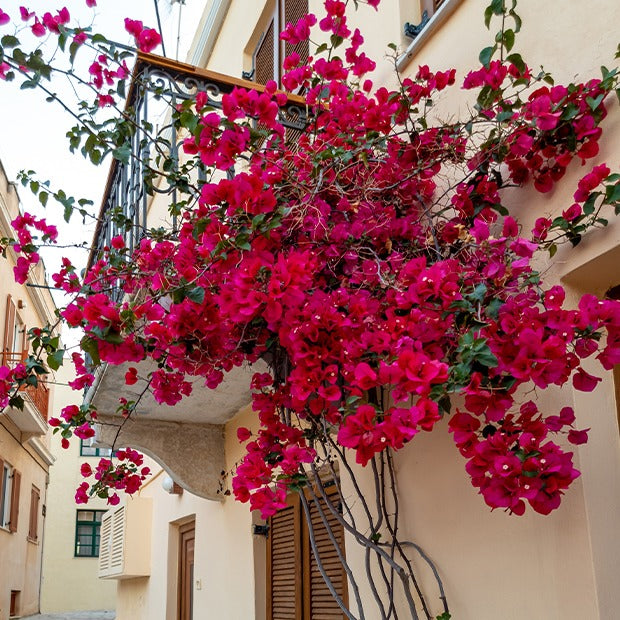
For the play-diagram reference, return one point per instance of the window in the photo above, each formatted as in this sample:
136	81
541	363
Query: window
295	587
87	533
87	450
427	8
15	343
33	525
270	52
10	480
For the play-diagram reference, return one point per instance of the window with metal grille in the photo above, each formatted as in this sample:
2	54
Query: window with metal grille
87	533
270	52
295	586
427	9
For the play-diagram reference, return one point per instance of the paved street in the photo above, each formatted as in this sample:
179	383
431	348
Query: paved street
76	615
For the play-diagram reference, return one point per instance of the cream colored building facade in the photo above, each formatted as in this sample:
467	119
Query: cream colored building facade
71	548
25	456
559	567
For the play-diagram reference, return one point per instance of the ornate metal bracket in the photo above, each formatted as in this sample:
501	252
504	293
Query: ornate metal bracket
412	31
248	75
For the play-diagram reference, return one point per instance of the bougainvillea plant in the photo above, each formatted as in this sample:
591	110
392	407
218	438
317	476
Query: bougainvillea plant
374	262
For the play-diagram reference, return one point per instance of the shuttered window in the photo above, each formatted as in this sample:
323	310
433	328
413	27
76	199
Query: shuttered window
264	57
14	511
296	589
270	52
15	342
33	524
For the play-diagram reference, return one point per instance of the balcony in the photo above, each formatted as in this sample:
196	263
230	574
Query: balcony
32	420
158	86
188	439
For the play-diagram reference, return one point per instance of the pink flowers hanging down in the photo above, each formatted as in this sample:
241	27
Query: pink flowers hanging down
372	263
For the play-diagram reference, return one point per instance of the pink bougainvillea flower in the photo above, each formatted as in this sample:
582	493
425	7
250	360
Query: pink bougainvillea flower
584	381
131	376
148	40
38	29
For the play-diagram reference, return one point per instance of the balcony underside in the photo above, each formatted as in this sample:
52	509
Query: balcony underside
186	439
29	421
203	406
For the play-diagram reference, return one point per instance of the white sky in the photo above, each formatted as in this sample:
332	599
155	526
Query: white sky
32	131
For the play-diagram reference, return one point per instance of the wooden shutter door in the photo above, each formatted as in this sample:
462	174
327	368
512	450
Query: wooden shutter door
264	61
318	600
284	564
17	477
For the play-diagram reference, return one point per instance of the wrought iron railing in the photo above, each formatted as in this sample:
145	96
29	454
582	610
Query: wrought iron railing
158	86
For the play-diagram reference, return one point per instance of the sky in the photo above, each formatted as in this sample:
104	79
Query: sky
32	131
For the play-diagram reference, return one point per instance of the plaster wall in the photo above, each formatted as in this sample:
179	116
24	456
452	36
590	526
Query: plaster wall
61	568
20	558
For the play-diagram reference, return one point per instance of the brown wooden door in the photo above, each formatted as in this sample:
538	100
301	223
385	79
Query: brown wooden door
187	537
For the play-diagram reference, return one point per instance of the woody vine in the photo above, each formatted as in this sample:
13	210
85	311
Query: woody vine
373	262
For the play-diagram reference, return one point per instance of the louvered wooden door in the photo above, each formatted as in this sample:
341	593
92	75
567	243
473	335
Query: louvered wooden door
296	589
319	602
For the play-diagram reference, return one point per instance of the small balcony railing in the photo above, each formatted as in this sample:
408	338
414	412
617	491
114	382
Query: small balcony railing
159	85
38	395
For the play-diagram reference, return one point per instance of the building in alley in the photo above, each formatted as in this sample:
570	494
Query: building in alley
25	456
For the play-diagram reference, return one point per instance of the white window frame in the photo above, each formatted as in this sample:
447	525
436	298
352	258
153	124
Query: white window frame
6	484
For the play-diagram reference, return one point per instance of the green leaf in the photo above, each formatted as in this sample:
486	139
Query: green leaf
497	6
594	102
54	361
508	39
197	294
89	345
8	40
488	13
612	193
122	153
16	402
518	21
486	54
506	115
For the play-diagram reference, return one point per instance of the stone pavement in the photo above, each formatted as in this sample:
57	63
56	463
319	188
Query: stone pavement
76	615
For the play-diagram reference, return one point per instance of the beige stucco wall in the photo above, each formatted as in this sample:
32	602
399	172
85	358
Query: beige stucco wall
60	567
20	558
